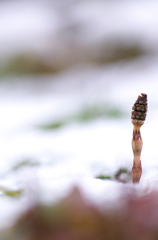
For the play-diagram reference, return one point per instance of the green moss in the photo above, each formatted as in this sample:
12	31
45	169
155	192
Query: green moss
25	163
11	193
113	51
121	171
87	114
103	177
53	125
122	175
27	64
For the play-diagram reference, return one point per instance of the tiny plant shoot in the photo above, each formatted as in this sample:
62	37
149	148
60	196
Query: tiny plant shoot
139	111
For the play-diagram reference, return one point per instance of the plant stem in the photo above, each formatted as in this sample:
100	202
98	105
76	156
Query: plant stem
138	118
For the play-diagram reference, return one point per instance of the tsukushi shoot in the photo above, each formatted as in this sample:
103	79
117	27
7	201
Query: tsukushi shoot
139	111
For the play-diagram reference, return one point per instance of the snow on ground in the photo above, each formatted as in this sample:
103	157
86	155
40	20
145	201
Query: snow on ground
76	153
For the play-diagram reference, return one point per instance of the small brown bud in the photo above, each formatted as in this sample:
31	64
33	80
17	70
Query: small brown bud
140	108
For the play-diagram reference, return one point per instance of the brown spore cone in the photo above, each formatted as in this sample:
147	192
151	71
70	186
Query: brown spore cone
140	108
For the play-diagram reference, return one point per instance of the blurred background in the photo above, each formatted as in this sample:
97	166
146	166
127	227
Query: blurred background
70	72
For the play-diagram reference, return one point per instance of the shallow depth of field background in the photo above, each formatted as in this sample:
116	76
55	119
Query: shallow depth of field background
70	72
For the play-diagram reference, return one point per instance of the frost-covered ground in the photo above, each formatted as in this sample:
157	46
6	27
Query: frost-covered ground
77	152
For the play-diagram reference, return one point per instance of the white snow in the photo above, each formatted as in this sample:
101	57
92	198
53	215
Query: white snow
76	153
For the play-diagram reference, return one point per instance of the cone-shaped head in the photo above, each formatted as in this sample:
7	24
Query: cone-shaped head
140	108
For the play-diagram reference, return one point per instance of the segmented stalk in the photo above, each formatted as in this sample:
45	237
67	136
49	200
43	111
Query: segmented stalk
138	117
